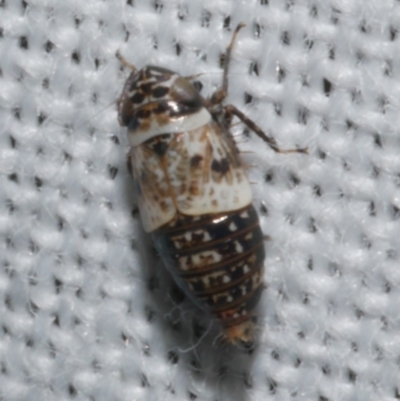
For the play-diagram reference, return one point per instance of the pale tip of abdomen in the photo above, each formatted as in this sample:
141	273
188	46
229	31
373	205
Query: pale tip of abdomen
241	335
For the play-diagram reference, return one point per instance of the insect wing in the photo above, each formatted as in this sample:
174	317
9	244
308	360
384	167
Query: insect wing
199	173
155	202
205	172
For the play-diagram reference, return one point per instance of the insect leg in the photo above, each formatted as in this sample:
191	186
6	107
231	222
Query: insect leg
232	110
221	93
193	77
124	62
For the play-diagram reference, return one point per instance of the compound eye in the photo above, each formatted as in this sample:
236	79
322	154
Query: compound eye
184	92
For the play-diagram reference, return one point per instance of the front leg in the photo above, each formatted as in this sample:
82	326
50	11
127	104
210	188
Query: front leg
221	93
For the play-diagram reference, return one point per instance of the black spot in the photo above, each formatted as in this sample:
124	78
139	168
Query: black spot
158	6
227	22
197	286
160	91
145	381
220	166
393	33
253	70
377	140
137	98
352	375
195	161
173	357
72	390
176	294
76	57
285	38
147	89
160	148
143	113
38	182
112	170
281	74
133	123
115	139
17	113
327	87
41	118
13	142
162	107
48	46
197	85
23	42
247	98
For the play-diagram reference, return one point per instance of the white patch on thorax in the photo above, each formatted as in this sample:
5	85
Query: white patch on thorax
177	124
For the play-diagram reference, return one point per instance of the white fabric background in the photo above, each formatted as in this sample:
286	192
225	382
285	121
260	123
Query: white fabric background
86	309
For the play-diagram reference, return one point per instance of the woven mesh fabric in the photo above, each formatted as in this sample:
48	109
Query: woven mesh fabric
87	311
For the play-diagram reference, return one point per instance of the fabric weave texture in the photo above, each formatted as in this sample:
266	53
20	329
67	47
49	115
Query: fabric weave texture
87	311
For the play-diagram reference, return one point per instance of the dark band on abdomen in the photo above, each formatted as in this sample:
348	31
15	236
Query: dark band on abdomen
217	259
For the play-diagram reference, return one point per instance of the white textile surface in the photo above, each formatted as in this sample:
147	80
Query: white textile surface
87	311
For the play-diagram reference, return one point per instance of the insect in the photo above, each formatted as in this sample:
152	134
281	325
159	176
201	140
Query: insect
193	194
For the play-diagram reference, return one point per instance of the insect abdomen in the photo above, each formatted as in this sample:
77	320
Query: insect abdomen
217	260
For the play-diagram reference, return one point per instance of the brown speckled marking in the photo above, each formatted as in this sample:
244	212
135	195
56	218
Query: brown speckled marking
159	92
216	258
